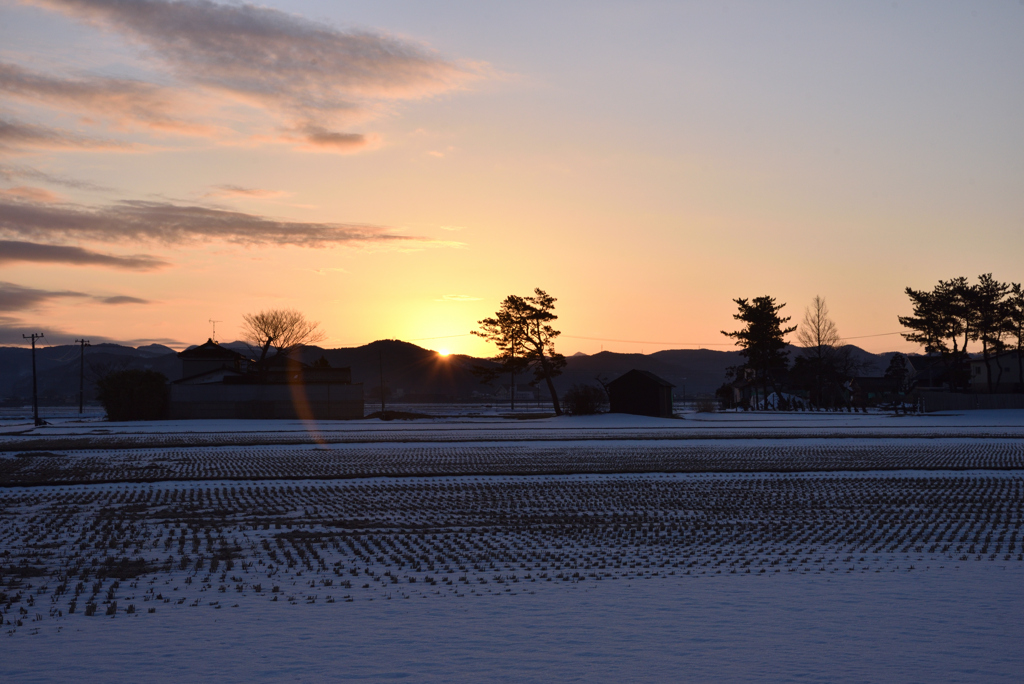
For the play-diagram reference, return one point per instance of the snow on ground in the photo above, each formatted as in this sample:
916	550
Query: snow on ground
660	569
749	426
953	625
749	420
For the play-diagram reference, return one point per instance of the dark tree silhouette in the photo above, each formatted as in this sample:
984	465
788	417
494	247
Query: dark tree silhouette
1015	326
897	372
988	299
279	329
762	340
522	331
940	317
955	313
583	400
133	395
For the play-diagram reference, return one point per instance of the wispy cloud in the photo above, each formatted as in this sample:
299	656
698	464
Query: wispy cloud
17	298
234	191
122	299
12	251
24	192
173	223
311	74
458	298
10	173
311	136
12	329
17	135
125	102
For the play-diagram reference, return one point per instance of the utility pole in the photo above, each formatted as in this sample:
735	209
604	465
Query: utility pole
513	371
513	387
380	358
35	392
81	374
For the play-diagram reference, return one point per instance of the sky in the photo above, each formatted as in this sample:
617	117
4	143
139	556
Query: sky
395	169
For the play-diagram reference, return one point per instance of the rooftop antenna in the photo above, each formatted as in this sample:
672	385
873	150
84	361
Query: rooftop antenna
214	338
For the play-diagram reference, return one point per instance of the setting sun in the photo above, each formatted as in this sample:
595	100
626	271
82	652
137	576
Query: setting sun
442	352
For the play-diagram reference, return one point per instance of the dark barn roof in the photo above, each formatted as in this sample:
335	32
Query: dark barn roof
641	376
209	351
641	393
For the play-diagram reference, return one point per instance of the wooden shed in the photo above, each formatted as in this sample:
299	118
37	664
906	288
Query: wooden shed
640	393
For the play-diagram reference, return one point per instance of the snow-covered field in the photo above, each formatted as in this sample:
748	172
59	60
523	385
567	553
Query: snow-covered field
920	626
724	547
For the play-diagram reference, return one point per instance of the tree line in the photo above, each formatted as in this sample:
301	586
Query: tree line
956	312
944	321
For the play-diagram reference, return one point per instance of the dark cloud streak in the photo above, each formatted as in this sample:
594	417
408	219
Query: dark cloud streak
122	100
17	135
9	173
122	299
311	74
13	251
17	298
12	329
176	224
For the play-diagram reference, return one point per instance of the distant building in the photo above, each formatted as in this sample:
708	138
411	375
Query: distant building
523	393
870	390
211	356
640	393
929	373
1005	373
503	393
218	382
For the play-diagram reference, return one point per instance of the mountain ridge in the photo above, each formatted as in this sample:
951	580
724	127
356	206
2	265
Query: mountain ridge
410	372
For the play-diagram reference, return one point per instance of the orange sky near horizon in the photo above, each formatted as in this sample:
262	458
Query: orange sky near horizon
394	170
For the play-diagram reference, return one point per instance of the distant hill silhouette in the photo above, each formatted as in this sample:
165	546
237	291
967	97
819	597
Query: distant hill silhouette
699	371
57	368
411	373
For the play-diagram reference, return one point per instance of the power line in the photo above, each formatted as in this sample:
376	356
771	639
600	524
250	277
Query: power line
608	339
861	337
442	337
605	339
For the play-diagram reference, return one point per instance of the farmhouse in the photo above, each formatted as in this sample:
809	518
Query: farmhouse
640	393
218	382
1006	373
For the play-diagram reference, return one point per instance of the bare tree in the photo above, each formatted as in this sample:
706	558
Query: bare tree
818	334
825	363
279	329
